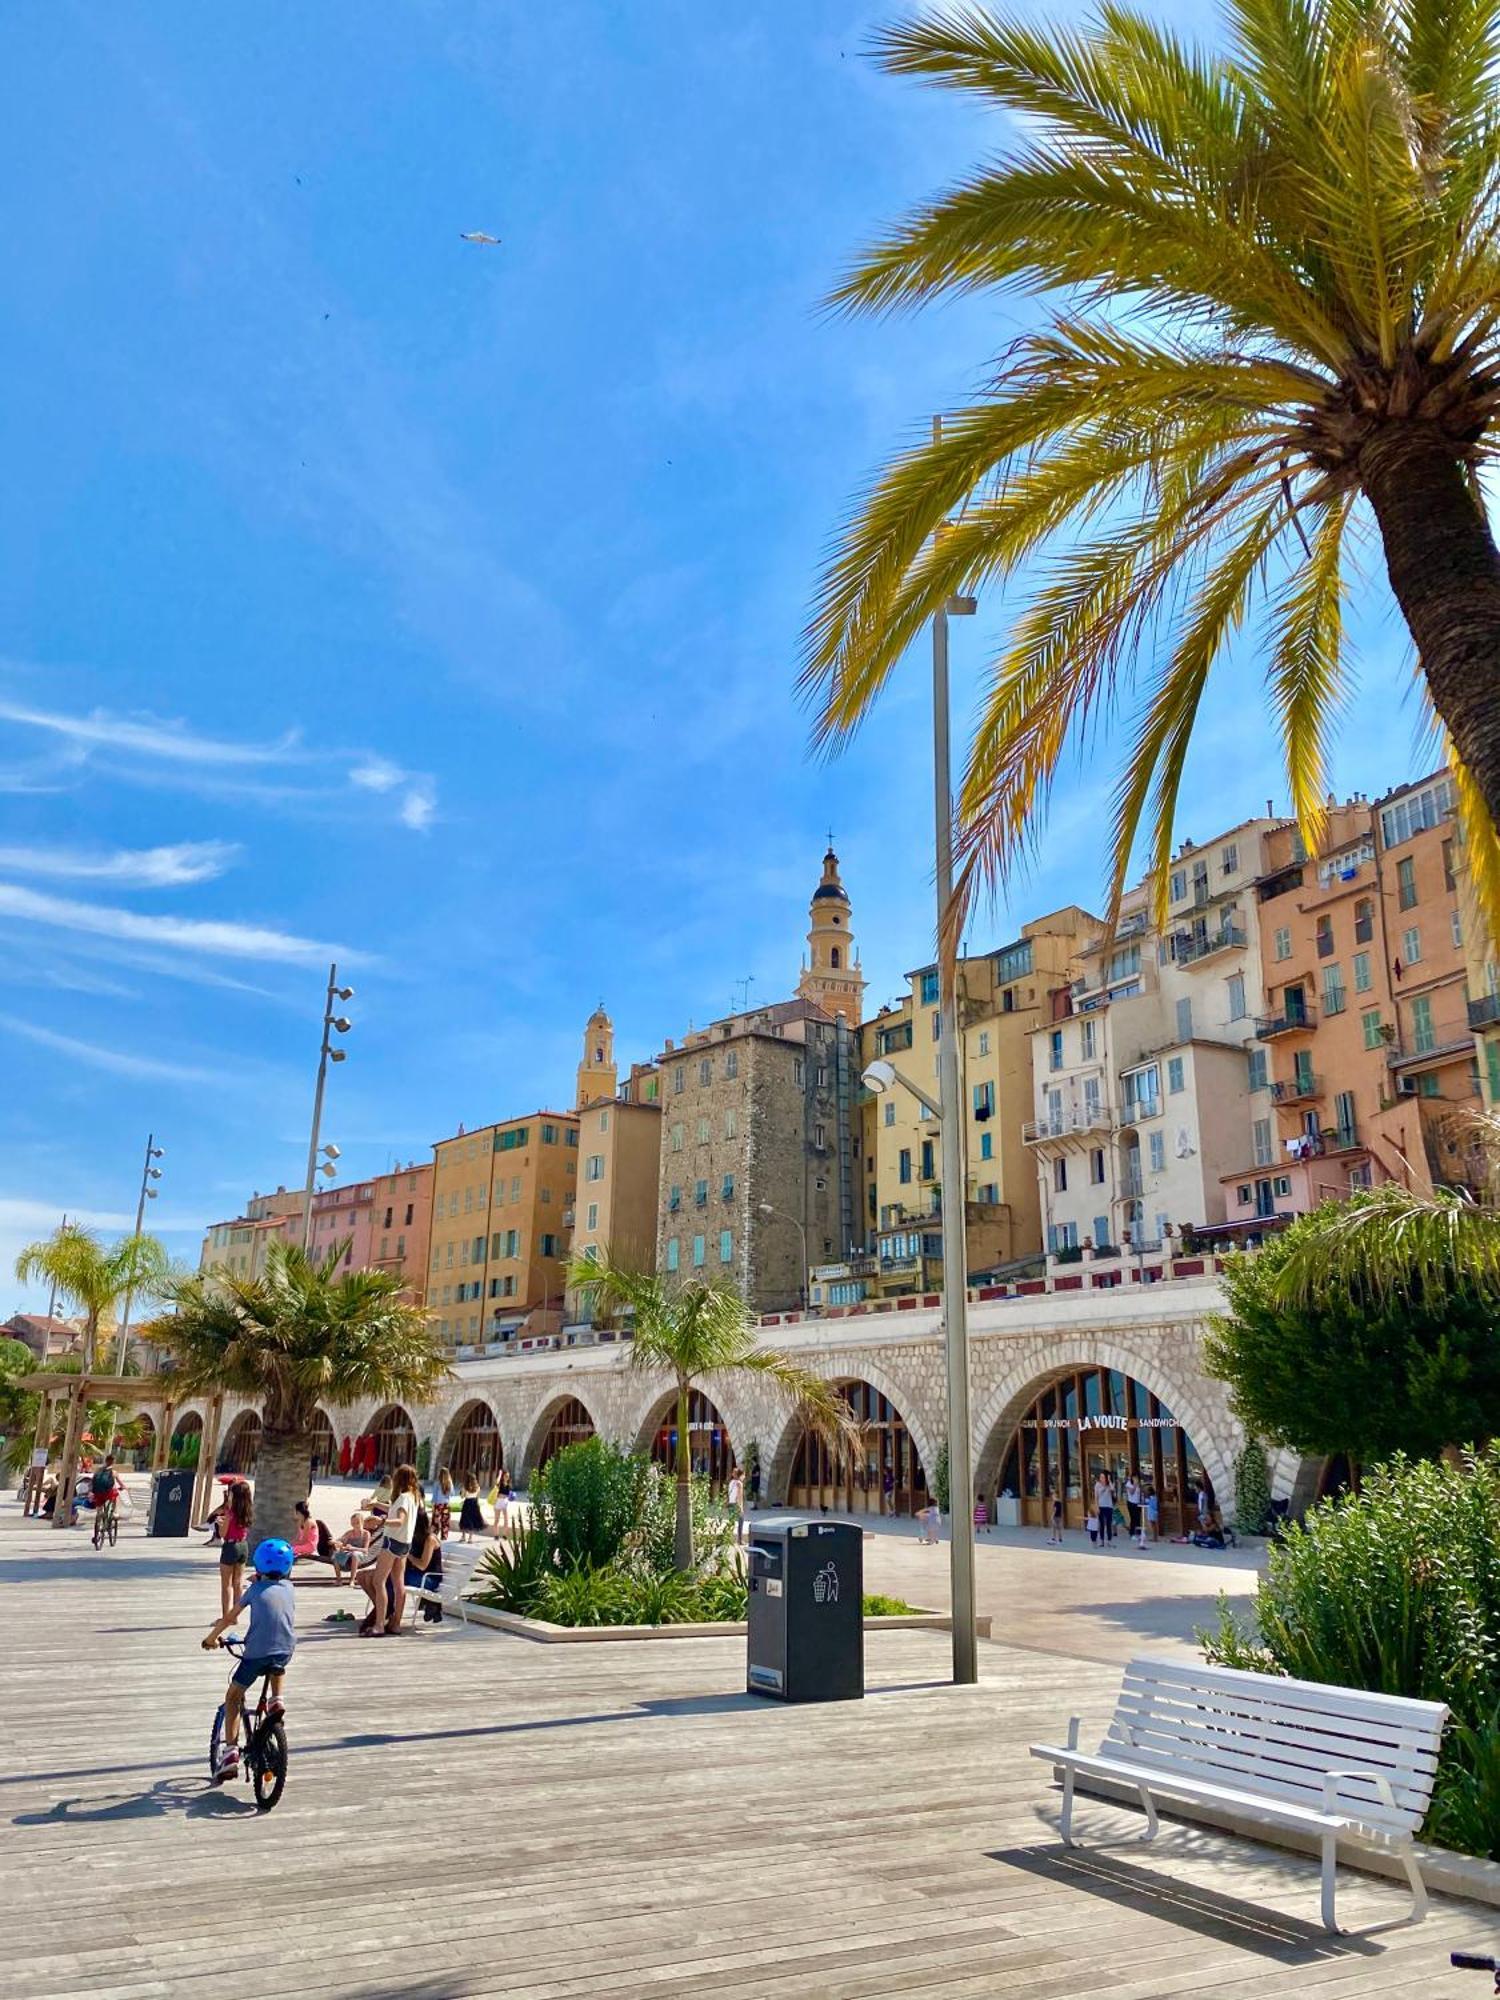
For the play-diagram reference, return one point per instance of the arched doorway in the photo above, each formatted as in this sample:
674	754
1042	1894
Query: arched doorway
395	1438
883	1474
186	1441
471	1443
570	1424
241	1446
1094	1420
137	1440
709	1447
325	1450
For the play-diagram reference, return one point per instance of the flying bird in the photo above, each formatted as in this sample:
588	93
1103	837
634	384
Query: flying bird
477	236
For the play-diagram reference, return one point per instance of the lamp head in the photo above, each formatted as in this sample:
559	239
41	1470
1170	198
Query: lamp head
341	1022
338	1055
331	1151
343	992
879	1077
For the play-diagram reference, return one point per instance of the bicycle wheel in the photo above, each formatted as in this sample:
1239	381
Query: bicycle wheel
112	1529
268	1765
216	1743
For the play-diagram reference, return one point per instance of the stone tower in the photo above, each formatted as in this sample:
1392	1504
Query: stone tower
831	974
597	1074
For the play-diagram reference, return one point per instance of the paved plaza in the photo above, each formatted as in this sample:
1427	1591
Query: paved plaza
470	1813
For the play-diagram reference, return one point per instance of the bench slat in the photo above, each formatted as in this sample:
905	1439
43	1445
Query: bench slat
1224	1740
1326	1700
1288	1782
1297	1739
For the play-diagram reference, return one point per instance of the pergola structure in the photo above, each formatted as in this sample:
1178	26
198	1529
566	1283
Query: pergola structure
136	1392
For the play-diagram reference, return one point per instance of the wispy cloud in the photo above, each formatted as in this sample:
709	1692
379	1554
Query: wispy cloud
216	938
285	770
117	1062
125	867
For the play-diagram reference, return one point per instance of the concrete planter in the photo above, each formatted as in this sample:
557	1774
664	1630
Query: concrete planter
591	1635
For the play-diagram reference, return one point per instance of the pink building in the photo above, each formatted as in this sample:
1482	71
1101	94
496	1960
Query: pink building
346	1216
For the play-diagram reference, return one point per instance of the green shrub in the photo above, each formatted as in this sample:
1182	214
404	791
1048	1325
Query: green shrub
512	1575
879	1606
942	1484
1252	1490
724	1596
654	1542
587	1500
424	1459
1397	1589
586	1597
668	1599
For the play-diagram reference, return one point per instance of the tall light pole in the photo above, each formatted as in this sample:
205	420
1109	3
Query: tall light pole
766	1208
149	1173
327	1053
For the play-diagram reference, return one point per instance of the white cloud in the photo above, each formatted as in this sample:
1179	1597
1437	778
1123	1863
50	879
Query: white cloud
377	774
125	868
116	1061
170	741
418	808
224	939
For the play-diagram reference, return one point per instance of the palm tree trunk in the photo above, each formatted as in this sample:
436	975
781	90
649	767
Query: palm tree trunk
1445	570
283	1476
682	1548
67	1470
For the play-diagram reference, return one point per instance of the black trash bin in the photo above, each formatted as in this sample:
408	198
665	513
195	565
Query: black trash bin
807	1628
171	1503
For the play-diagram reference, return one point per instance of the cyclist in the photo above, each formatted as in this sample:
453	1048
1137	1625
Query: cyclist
269	1643
104	1490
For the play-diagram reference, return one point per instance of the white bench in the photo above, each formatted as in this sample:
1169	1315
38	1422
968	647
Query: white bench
459	1559
1331	1761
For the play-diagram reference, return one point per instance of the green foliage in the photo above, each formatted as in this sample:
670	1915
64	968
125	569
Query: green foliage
96	1278
588	1498
1353	1367
16	1358
654	1539
1252	1490
424	1459
512	1575
1397	1589
877	1605
183	1452
725	1595
584	1597
942	1481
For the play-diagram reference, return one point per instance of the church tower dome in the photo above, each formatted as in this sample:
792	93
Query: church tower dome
831	973
598	1076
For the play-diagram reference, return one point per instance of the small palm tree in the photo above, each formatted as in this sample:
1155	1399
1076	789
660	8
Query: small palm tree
697	1332
94	1278
1272	284
296	1336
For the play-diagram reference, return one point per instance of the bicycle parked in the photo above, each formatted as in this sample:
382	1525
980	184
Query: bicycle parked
264	1756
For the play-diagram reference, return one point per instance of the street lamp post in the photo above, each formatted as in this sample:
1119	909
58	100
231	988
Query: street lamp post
766	1208
149	1173
327	1053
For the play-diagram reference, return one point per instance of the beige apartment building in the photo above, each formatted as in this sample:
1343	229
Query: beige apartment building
239	1245
501	1199
619	1152
1367	1029
401	1225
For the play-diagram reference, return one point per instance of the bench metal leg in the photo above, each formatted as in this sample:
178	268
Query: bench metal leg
1418	1887
1330	1862
1148	1807
1066	1824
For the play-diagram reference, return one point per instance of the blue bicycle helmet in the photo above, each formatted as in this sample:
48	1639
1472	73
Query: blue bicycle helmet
273	1558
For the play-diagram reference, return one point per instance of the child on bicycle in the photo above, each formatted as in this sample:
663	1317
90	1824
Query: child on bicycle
269	1643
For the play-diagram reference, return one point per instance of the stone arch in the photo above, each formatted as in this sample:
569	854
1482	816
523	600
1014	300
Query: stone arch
325	1444
142	1424
395	1436
710	1436
186	1424
1214	1433
558	1406
839	1369
240	1444
471	1442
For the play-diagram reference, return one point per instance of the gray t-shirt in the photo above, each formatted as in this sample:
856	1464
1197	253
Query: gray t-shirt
271	1602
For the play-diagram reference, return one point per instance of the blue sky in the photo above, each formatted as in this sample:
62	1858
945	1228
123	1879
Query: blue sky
367	593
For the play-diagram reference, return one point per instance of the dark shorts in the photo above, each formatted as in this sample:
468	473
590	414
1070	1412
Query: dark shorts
234	1554
393	1547
249	1671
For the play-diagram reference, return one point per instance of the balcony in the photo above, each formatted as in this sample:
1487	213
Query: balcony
1294	1021
1297	1089
1341	1139
1484	1011
1193	950
1449	1041
1132	1185
1066	1125
1136	1110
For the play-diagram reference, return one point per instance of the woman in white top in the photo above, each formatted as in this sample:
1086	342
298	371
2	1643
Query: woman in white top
395	1545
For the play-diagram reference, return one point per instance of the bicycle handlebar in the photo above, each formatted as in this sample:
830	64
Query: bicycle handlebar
1472	1961
236	1646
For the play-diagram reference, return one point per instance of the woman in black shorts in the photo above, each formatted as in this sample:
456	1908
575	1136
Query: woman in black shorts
234	1524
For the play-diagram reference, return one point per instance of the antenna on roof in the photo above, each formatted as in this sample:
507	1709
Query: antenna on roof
742	988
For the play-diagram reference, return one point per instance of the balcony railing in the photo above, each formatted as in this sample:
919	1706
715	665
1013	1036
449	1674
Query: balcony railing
1066	1124
1298	1089
1192	950
1298	1021
1484	1010
1446	1043
1340	1139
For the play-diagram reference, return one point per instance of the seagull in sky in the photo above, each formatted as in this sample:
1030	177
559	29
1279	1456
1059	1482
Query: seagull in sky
477	236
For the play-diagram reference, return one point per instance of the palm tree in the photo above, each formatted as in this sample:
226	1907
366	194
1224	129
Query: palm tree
696	1332
93	1278
1273	285
297	1335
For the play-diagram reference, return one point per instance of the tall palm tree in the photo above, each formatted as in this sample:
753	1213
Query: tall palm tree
698	1332
1271	282
93	1277
298	1335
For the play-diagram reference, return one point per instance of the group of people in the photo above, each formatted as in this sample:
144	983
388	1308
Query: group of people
1142	1511
471	1521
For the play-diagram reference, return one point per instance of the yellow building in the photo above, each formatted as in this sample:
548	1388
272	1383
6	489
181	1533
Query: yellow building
1003	995
619	1150
501	1198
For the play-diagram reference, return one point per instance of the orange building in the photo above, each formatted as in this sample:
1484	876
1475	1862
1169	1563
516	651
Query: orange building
502	1199
1367	1048
401	1225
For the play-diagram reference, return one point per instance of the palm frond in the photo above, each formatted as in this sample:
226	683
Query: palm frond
1395	1243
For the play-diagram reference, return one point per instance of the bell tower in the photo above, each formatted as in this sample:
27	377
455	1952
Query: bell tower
597	1074
831	973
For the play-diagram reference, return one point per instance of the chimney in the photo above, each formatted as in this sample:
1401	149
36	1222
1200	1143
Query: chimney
1270	809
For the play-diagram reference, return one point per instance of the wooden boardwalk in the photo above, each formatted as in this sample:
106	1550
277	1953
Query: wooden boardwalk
471	1814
